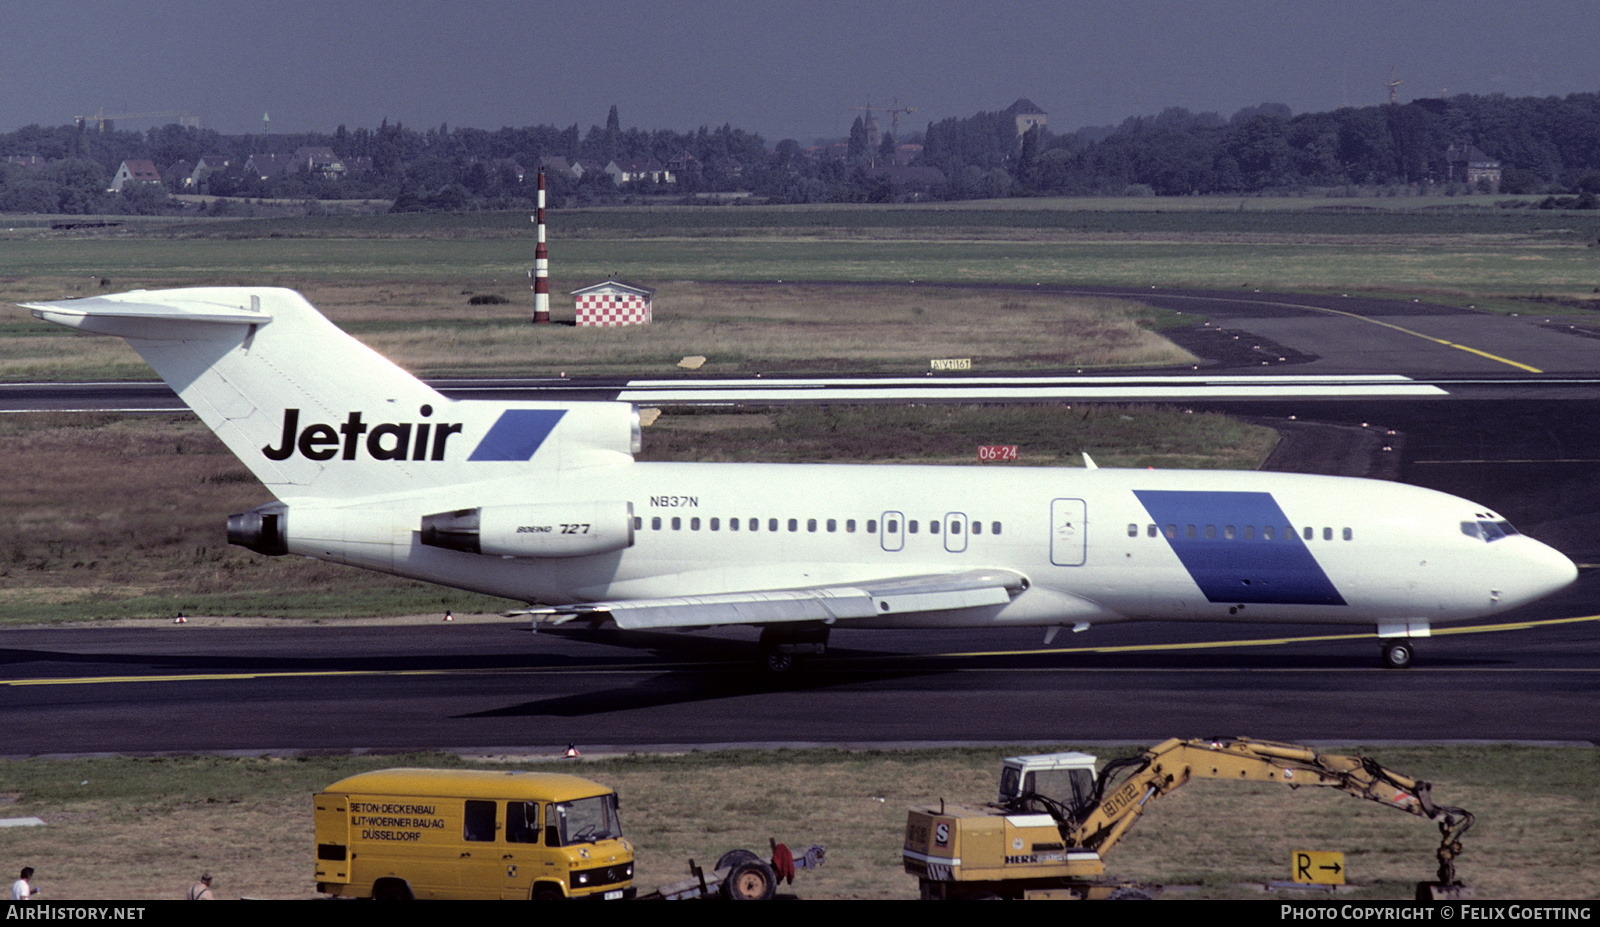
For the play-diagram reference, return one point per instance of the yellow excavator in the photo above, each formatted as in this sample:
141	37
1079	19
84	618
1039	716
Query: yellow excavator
1047	834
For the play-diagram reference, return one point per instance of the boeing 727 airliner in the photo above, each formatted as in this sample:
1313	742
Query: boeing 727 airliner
544	503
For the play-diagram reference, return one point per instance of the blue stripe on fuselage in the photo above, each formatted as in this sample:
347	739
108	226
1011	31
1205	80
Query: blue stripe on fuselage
1280	571
517	434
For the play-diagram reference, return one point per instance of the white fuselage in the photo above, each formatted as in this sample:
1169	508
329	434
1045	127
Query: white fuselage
1095	544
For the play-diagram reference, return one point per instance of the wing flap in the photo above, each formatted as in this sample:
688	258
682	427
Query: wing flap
896	596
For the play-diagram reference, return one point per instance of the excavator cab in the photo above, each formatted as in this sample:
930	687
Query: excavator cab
1061	784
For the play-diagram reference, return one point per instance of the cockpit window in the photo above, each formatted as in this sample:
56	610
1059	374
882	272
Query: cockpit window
1486	530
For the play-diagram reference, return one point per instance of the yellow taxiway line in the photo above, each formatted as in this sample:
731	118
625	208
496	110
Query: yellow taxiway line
1415	334
656	668
1277	641
1370	321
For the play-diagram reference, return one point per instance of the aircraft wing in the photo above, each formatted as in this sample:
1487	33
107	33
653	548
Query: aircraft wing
879	598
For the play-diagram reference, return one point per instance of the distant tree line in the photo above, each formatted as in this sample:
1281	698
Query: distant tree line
1547	145
1544	145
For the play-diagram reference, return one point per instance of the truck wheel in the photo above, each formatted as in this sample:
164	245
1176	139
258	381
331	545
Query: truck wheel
750	880
391	890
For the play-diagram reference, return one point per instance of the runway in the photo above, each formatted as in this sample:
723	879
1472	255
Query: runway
496	687
1498	409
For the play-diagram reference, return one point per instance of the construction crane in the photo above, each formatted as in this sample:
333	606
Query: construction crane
1393	84
895	112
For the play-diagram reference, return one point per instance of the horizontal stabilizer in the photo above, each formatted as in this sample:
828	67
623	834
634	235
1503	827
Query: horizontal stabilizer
878	599
129	316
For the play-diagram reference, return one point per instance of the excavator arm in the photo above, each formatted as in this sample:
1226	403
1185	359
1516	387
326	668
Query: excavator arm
1125	787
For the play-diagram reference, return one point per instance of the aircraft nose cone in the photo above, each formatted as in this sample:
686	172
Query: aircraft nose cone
1541	570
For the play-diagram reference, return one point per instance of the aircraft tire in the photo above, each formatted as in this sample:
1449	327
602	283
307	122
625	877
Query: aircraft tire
777	662
1397	654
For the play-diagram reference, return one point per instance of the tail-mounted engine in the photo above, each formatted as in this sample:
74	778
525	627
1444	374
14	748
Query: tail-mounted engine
533	531
262	529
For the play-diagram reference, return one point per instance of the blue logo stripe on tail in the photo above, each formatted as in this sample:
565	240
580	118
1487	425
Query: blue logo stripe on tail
1280	571
517	434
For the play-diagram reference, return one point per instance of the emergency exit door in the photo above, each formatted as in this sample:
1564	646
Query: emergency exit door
1069	523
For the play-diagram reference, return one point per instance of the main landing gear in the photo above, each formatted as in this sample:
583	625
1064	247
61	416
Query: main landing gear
1397	654
783	647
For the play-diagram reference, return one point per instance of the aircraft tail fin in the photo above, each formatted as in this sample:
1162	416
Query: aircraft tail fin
312	411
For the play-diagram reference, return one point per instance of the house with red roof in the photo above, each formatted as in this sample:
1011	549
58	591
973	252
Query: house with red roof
136	171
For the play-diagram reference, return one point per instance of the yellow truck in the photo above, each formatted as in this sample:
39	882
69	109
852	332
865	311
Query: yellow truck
435	833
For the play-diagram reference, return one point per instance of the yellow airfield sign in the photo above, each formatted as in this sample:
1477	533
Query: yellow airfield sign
1317	867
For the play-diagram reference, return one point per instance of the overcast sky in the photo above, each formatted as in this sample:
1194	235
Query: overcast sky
783	68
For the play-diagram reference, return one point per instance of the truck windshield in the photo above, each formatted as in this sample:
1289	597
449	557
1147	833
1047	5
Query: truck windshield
586	820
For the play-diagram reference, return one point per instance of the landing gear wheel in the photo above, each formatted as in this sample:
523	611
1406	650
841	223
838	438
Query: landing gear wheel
777	662
1397	654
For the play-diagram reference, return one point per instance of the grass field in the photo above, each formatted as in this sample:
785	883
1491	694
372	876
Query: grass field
1447	247
433	329
139	828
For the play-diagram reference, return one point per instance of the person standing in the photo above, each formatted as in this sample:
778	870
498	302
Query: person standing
23	888
201	890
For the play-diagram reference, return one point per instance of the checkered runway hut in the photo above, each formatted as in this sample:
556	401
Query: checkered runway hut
613	303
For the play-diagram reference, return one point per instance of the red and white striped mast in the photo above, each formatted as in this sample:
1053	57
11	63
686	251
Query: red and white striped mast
541	264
